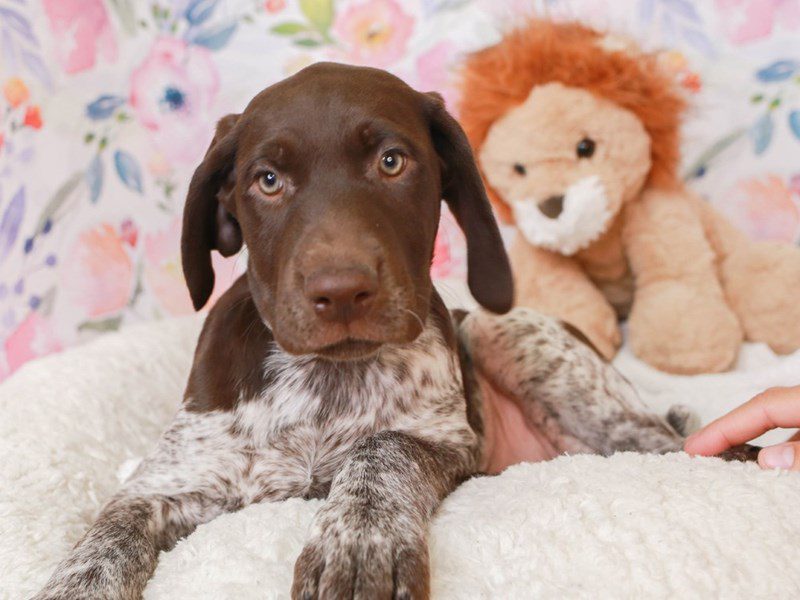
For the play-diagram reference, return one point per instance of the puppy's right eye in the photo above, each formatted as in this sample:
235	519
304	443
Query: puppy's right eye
520	169
392	163
270	183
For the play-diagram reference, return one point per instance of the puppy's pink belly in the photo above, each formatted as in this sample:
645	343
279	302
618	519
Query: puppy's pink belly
508	437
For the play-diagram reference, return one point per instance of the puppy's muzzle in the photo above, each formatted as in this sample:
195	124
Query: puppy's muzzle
342	294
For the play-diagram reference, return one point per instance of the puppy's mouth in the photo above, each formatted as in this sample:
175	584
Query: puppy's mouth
349	349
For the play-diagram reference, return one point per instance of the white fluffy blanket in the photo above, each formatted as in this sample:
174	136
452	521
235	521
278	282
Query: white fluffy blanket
578	527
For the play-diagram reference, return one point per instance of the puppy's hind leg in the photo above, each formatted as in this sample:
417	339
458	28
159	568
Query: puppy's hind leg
562	386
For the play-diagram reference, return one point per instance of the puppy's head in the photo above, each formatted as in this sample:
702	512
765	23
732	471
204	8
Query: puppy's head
334	178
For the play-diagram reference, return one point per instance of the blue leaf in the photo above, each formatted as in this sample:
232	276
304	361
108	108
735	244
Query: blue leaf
9	225
103	107
199	11
37	68
128	170
794	123
761	133
647	9
683	8
698	39
668	28
94	178
777	71
19	24
214	37
9	50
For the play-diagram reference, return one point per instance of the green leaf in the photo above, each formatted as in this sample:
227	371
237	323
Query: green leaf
58	200
290	28
712	152
110	324
318	12
127	15
137	291
46	304
756	98
308	43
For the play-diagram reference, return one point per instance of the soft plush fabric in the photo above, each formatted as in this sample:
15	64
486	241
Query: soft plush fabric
72	425
109	106
576	133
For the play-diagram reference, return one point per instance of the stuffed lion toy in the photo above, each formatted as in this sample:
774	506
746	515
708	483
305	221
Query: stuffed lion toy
578	141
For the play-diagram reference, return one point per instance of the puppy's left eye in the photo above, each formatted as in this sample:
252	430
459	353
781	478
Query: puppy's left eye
392	163
585	148
270	183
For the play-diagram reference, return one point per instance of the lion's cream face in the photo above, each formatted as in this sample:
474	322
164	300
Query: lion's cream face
565	161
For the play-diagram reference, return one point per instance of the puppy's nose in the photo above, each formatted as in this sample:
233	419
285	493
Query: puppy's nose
552	207
341	295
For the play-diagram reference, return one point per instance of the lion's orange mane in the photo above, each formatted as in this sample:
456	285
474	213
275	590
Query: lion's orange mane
500	77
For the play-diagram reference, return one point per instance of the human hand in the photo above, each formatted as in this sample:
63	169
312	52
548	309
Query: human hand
776	407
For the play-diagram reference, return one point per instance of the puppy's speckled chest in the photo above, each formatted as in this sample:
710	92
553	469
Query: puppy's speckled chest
299	432
293	438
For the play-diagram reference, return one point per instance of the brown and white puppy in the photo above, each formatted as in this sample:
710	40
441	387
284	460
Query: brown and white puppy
332	368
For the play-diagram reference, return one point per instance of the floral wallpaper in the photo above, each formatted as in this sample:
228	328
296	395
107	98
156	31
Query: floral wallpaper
108	105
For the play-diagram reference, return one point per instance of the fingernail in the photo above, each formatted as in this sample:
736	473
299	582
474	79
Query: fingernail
777	457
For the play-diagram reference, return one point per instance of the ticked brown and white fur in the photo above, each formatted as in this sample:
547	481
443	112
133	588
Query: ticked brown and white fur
332	369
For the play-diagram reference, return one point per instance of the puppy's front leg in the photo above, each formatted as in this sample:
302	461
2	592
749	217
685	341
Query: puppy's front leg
179	486
368	541
118	554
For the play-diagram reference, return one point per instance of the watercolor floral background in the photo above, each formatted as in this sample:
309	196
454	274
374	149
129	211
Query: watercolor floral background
108	105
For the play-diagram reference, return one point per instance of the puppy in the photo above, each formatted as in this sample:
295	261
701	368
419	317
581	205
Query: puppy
332	368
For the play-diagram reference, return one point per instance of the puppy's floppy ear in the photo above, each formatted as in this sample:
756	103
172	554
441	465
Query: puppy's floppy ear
488	270
207	223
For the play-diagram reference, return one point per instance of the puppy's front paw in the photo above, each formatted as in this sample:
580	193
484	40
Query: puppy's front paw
362	557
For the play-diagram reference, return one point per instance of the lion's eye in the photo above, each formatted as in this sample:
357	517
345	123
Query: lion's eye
520	169
270	183
585	148
392	163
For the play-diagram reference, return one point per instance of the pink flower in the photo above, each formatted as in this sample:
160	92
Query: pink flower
33	117
15	91
433	71
375	32
764	208
274	6
81	30
172	92
32	338
98	274
128	232
164	275
449	251
745	21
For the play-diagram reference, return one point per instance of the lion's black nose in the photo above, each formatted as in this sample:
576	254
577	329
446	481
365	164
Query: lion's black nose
342	295
552	207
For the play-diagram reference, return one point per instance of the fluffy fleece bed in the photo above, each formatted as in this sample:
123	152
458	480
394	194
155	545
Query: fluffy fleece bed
72	425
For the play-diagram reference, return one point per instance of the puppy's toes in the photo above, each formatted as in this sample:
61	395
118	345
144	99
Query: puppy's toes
683	419
307	571
411	574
